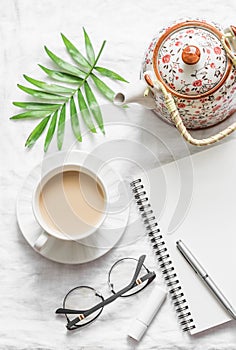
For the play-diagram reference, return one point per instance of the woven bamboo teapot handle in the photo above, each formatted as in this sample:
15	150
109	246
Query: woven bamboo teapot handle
177	120
175	116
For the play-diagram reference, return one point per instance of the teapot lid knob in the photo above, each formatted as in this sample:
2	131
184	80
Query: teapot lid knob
191	54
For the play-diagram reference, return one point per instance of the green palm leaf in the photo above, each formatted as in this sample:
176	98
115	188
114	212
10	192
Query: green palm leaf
61	76
55	97
37	106
74	120
42	94
49	87
51	130
37	132
61	127
110	74
65	65
75	54
103	88
94	107
31	115
85	112
89	48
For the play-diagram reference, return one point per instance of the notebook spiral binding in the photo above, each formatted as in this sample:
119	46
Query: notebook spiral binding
163	258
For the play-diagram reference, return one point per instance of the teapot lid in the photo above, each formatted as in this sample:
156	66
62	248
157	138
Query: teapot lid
190	59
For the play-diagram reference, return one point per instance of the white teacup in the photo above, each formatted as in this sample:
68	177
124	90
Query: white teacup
69	203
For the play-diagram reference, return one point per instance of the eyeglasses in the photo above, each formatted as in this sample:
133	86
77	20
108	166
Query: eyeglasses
87	304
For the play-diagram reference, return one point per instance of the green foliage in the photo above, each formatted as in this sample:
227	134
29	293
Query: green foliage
53	99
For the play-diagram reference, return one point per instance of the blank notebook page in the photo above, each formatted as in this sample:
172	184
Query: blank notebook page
204	184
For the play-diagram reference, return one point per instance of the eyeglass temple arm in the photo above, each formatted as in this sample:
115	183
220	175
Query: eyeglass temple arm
108	300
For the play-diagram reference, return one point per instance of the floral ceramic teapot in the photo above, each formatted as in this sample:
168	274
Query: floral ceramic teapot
189	77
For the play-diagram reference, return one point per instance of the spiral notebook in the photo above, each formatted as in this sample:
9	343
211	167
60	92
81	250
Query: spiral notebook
193	199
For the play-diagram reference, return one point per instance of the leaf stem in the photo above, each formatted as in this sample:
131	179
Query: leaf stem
87	75
91	69
99	54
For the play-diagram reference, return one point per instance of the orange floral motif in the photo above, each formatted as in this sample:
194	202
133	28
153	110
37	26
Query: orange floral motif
181	105
217	50
166	59
216	108
178	43
197	83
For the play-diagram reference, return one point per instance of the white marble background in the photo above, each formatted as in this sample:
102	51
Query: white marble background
31	286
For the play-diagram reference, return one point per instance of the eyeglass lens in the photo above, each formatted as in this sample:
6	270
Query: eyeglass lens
82	298
121	274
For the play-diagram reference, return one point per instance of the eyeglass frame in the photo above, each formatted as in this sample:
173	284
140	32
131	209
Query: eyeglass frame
82	314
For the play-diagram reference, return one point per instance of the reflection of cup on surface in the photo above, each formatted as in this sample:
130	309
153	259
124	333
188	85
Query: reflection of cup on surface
69	203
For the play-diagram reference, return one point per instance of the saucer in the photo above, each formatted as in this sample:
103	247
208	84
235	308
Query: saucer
106	236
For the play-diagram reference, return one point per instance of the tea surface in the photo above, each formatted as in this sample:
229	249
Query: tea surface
72	202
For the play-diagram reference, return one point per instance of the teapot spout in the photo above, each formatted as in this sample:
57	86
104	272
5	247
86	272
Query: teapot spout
136	93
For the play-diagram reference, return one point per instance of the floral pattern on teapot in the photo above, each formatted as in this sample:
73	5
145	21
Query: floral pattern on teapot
207	111
207	73
194	80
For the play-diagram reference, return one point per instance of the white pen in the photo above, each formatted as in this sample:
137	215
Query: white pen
197	267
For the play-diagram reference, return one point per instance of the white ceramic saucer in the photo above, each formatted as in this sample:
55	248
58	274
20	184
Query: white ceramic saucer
107	235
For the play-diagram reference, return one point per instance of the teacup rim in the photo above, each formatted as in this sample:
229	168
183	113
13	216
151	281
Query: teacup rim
54	171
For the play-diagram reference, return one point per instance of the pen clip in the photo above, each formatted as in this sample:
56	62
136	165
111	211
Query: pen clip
193	262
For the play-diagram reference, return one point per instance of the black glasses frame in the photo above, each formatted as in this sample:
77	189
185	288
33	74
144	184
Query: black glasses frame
82	314
75	326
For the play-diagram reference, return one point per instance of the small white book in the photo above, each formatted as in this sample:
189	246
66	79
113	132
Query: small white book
193	199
